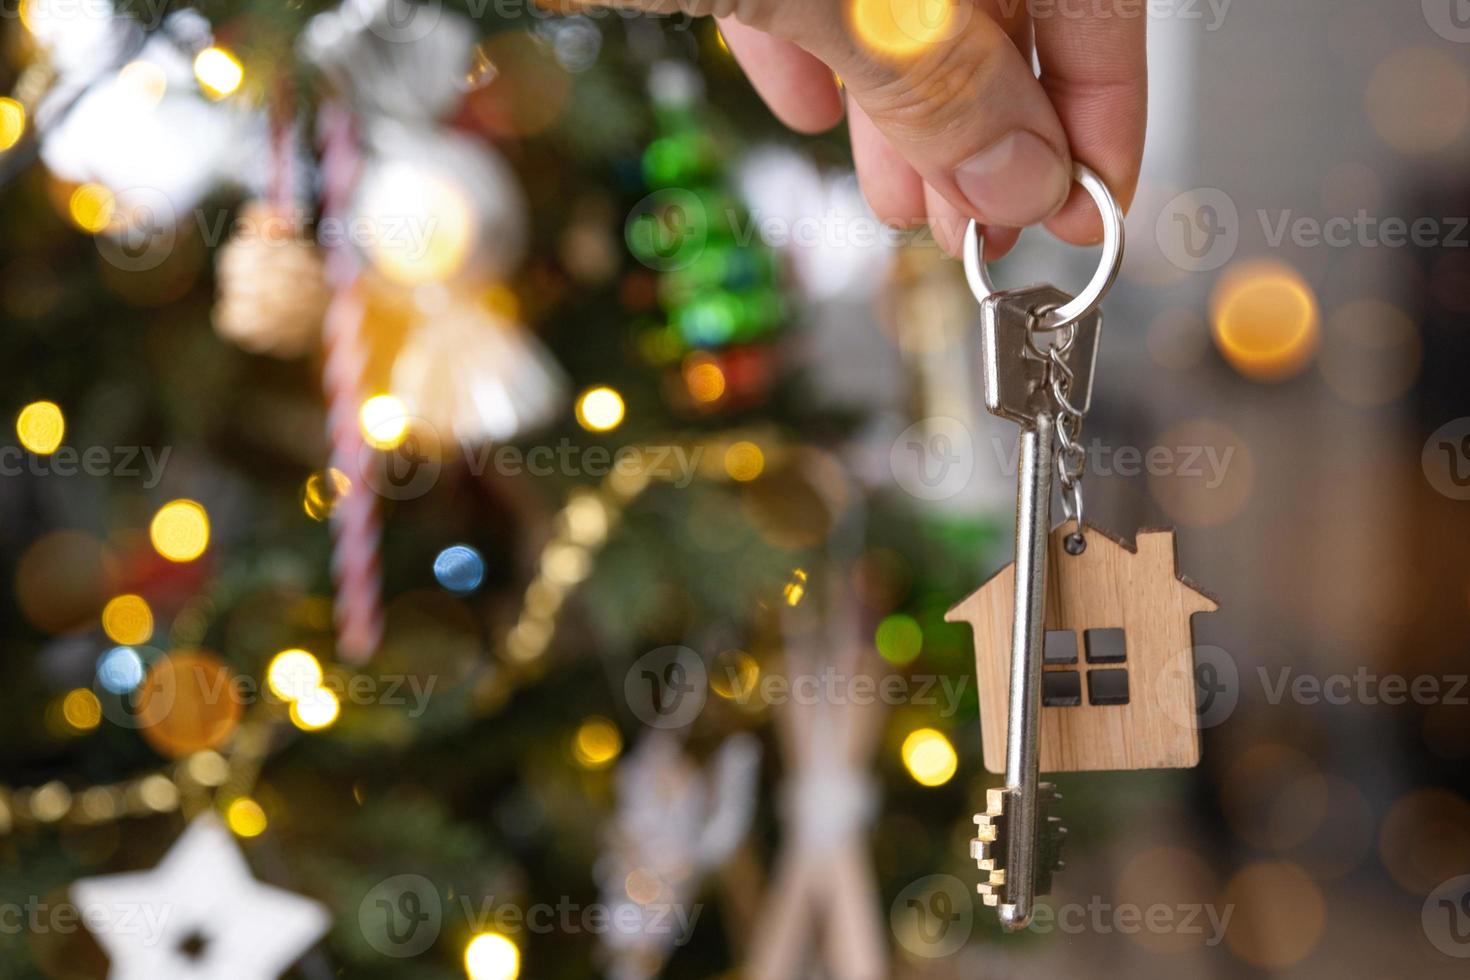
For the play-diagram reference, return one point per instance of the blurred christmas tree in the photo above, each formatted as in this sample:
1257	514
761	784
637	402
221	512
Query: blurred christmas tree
570	442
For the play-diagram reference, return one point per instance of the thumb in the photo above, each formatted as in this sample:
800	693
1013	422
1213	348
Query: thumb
949	90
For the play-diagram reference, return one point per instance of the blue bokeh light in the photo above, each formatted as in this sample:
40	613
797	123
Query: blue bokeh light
460	569
120	670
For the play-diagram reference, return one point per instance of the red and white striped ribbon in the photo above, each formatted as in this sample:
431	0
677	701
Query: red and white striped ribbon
356	531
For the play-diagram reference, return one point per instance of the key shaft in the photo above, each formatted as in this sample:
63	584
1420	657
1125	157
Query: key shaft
1033	526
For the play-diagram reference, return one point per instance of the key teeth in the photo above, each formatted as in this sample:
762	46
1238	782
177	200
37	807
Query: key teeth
988	848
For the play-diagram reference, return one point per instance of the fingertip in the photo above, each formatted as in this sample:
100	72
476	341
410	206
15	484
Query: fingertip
946	222
1078	221
889	185
799	89
999	242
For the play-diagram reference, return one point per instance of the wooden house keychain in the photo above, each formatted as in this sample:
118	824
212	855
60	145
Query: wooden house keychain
1098	673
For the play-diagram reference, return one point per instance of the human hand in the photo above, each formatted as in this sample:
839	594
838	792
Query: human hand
947	119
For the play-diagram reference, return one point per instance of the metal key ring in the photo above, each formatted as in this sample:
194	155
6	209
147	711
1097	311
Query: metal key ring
1084	302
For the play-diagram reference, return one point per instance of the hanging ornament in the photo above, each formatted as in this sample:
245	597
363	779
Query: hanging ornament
209	918
270	276
824	894
144	132
473	374
411	68
673	825
718	286
435	207
272	285
435	204
356	528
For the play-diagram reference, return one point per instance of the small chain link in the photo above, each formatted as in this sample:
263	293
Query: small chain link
1071	455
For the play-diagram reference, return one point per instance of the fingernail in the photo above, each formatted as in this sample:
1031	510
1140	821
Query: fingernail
1018	180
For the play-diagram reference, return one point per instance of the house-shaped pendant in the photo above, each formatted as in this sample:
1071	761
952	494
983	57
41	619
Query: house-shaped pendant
1118	686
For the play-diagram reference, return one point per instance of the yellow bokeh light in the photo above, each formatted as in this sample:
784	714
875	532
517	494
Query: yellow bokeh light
704	379
208	768
384	421
51	802
180	530
600	409
126	619
795	589
316	710
403	191
12	122
245	817
491	956
597	743
91	207
293	674
929	757
1264	319
158	793
81	710
40	427
322	491
145	79
735	675
219	72
744	461
904	28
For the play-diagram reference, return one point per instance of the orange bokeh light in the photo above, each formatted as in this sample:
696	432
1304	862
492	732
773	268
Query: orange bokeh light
1265	319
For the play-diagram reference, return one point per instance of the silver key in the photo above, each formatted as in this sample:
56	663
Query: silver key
1019	843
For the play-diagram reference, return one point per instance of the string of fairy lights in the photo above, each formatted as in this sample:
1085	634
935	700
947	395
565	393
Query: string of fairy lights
217	765
218	762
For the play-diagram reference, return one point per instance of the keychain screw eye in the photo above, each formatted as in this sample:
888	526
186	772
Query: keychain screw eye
1075	543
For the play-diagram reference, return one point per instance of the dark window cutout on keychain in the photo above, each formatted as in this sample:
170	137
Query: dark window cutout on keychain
1107	686
1105	646
1061	689
1060	647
